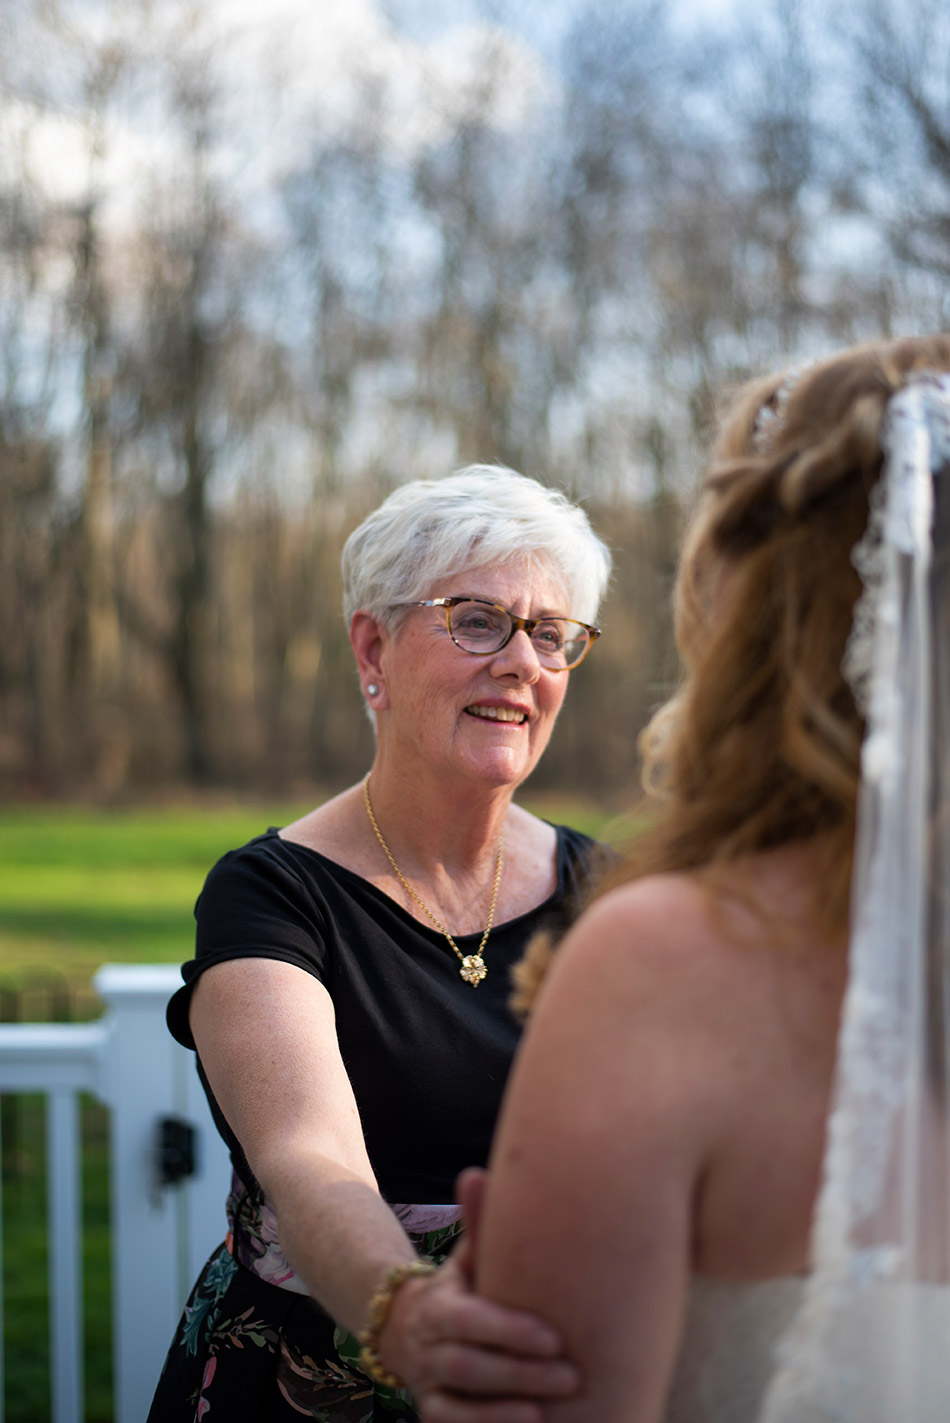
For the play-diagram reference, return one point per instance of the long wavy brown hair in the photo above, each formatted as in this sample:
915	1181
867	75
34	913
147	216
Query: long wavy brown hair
760	744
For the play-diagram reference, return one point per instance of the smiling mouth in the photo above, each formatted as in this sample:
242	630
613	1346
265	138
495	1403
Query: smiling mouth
510	714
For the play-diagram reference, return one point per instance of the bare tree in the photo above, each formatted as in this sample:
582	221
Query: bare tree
895	149
588	230
177	365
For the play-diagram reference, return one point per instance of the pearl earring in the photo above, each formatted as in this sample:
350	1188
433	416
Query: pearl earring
371	689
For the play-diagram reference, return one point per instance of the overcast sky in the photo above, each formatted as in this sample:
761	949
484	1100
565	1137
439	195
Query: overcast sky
293	68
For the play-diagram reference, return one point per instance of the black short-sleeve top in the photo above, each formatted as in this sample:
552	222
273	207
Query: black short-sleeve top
426	1053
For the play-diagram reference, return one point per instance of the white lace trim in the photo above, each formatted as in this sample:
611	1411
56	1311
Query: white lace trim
916	438
835	1366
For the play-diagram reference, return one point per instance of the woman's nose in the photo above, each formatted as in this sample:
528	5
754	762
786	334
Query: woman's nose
518	657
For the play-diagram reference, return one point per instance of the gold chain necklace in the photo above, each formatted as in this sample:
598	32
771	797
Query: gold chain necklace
473	968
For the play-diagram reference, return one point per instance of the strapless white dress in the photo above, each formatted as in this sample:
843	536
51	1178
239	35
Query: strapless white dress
731	1335
727	1354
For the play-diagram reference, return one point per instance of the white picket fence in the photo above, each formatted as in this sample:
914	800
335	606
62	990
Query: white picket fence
161	1235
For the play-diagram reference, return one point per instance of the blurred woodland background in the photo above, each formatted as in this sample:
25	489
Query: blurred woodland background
259	265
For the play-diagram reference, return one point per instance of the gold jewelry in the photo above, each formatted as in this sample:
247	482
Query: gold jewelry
473	968
379	1307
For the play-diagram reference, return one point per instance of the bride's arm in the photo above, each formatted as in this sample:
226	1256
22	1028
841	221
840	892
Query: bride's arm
587	1217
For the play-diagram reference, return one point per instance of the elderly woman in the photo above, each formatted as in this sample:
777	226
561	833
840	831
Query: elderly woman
348	997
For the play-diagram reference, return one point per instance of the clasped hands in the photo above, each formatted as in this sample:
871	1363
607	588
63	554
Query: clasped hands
467	1359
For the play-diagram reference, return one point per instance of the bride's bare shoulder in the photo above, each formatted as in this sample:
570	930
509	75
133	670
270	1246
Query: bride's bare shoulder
686	942
634	923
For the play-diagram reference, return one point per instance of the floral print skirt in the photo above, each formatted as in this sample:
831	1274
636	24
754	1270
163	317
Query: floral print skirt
249	1351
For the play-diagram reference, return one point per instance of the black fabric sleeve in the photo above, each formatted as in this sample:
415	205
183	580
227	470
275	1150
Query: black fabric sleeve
254	904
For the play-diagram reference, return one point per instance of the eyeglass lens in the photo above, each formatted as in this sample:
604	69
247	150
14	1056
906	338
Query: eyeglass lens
483	628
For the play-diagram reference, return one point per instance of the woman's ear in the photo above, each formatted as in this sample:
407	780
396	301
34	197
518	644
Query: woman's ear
367	639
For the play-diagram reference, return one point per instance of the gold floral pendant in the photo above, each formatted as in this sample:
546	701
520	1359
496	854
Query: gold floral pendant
473	969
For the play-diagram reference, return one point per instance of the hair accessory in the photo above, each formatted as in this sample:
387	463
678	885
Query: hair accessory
372	689
379	1308
770	420
473	968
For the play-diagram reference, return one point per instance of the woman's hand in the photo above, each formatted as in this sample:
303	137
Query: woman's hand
466	1359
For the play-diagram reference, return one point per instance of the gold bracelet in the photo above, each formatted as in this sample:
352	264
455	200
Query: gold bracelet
379	1307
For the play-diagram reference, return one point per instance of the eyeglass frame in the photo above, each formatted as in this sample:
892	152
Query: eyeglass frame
526	625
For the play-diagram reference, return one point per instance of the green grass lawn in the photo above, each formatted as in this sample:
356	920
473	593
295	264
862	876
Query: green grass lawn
79	888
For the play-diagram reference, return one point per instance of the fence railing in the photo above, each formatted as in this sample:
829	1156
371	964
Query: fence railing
168	1177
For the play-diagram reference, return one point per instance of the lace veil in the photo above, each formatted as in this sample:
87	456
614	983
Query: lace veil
871	1341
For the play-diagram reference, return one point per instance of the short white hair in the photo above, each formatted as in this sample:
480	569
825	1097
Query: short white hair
482	516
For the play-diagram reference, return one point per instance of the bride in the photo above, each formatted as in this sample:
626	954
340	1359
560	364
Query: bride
722	1166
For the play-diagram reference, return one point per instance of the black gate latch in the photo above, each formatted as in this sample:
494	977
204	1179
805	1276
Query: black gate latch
175	1150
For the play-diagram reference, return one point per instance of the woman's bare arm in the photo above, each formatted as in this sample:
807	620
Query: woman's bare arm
266	1036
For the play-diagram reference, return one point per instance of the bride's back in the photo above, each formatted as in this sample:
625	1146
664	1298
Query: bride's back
769	1048
675	1083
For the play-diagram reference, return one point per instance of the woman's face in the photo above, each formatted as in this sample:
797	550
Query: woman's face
488	717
